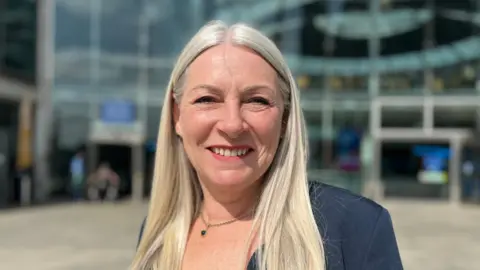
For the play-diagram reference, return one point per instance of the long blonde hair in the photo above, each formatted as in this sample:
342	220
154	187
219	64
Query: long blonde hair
286	226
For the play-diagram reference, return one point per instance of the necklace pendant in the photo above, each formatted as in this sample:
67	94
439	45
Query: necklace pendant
203	232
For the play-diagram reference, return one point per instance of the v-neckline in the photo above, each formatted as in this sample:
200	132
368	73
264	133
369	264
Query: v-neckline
252	263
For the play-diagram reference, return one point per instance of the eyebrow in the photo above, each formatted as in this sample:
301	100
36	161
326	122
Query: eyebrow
249	89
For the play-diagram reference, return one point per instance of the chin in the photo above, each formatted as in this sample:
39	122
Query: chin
231	178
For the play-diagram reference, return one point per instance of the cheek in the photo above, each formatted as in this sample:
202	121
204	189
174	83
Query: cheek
194	125
268	130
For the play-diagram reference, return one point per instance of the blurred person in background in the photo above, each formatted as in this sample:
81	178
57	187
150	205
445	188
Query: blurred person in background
230	187
77	176
104	183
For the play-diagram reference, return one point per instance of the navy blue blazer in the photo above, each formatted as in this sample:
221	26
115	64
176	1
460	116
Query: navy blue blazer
357	232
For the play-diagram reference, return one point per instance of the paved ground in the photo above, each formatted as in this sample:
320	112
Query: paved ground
70	237
437	236
431	236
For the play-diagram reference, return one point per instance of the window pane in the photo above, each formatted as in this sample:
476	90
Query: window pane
18	52
402	117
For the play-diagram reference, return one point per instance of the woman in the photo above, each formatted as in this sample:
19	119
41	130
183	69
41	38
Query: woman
230	186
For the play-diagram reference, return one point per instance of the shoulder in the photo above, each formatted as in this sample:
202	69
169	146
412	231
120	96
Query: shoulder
356	230
337	204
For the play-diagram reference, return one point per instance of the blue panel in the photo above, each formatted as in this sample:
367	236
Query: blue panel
429	150
118	111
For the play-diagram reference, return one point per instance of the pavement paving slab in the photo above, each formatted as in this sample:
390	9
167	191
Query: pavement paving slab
86	236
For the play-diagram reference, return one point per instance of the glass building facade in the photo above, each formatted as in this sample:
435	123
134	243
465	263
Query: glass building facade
18	39
370	72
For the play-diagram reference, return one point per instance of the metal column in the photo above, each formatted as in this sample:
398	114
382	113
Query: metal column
429	43
24	149
455	190
96	7
373	186
374	51
138	151
327	134
44	78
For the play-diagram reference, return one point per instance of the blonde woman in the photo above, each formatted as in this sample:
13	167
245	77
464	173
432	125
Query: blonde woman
230	186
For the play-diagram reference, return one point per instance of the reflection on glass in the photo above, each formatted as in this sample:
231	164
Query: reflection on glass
401	117
158	78
402	83
109	73
18	39
317	82
463	117
315	153
349	127
103	43
119	75
457	79
312	87
342	84
72	25
316	135
72	71
153	119
72	123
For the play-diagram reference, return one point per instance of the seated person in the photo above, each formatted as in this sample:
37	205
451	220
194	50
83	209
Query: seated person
103	183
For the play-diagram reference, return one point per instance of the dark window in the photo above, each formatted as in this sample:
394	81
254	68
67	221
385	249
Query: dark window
18	32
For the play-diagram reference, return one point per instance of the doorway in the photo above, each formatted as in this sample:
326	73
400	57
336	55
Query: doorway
9	186
119	157
415	169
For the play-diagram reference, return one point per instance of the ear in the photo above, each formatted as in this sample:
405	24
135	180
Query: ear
176	117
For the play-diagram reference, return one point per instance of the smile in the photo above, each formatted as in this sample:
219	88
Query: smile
230	151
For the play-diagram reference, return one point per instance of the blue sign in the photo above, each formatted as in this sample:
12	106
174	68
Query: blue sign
118	111
348	141
348	149
434	163
430	150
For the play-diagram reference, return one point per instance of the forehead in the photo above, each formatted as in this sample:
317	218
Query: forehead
227	63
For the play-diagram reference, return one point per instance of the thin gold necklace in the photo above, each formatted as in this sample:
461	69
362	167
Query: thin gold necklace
210	225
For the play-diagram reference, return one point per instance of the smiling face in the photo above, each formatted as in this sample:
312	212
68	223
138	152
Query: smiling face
230	116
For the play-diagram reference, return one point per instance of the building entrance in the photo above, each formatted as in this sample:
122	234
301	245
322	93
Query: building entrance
415	169
119	159
123	145
434	153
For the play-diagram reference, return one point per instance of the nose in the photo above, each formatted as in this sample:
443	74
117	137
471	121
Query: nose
232	122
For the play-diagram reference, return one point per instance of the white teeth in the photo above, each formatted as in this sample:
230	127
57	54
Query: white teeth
229	153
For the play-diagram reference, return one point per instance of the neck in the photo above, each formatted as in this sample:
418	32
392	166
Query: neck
220	206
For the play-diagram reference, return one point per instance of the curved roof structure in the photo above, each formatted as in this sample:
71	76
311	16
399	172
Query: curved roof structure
171	25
